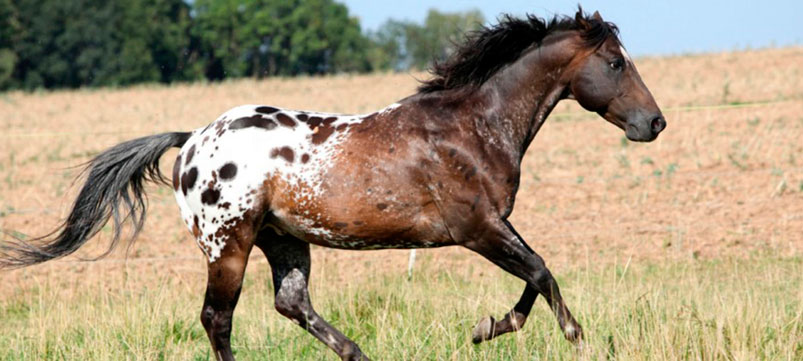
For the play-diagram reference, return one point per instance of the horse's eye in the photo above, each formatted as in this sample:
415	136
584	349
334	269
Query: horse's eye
617	64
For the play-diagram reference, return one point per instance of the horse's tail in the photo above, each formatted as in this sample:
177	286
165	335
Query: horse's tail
113	189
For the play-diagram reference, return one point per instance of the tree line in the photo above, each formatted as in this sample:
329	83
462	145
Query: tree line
76	43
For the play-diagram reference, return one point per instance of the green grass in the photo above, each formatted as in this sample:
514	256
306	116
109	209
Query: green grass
694	310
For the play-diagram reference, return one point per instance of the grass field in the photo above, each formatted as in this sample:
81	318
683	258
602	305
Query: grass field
687	248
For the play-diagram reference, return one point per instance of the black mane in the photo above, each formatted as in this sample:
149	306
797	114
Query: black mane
487	50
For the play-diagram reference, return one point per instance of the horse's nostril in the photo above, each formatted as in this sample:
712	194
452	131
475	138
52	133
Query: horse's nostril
658	124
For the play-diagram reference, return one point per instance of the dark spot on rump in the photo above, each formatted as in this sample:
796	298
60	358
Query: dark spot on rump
210	196
322	134
392	149
471	173
224	205
340	225
285	120
341	127
381	206
329	120
452	152
284	152
190	153
266	110
302	117
358	223
253	121
228	171
188	180
314	122
305	158
177	173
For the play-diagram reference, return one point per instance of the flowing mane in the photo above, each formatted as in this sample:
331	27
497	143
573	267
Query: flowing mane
487	50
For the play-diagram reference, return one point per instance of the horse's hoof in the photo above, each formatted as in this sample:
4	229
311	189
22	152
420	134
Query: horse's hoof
574	333
483	330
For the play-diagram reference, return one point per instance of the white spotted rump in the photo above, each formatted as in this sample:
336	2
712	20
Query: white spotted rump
223	166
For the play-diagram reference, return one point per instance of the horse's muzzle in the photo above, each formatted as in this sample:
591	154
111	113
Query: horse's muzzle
645	130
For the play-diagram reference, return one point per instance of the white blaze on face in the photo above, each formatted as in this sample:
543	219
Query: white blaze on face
625	54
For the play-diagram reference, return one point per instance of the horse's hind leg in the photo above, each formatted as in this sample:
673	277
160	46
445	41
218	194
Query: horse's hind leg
505	248
225	279
289	260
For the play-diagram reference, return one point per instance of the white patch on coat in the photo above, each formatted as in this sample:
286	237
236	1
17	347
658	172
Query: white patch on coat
253	151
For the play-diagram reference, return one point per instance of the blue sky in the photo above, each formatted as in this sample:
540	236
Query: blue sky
647	27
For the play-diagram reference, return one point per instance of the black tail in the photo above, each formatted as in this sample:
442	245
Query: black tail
115	176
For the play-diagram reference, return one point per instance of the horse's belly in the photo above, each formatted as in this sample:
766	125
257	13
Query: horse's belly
352	219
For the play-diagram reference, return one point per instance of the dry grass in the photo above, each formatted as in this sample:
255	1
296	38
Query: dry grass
719	184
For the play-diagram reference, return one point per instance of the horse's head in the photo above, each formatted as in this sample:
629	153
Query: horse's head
606	81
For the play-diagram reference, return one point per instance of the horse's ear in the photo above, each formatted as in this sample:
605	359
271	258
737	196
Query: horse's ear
597	16
581	19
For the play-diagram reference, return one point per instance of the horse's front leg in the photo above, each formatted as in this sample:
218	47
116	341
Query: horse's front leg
500	244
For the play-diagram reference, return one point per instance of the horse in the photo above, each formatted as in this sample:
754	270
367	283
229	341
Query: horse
438	168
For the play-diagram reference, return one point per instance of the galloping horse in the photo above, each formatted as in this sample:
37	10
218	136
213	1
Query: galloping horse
439	168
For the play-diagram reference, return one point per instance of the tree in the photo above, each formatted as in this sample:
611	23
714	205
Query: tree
72	43
278	37
436	39
155	42
388	46
9	26
411	45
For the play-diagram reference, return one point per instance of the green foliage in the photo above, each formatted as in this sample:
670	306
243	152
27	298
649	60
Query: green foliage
8	27
74	43
413	45
439	34
83	42
278	37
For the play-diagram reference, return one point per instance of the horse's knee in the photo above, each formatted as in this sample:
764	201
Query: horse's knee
542	277
207	314
217	321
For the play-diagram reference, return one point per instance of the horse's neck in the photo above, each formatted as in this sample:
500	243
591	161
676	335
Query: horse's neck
521	96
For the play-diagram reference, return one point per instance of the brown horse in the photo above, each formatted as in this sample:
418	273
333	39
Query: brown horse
439	168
